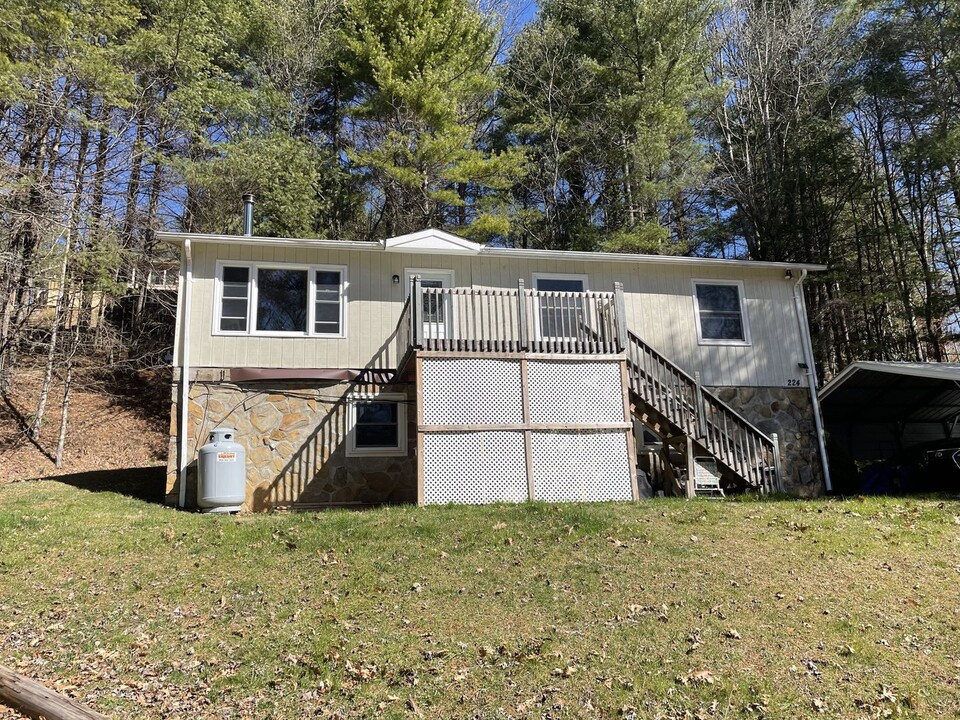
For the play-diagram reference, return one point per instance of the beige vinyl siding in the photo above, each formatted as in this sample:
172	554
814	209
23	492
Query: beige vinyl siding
659	303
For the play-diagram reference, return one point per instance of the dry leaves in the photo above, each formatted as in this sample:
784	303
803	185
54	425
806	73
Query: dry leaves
697	677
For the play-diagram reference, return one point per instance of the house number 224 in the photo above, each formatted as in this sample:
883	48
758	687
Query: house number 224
793	382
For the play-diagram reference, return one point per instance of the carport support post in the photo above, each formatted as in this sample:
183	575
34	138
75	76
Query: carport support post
804	326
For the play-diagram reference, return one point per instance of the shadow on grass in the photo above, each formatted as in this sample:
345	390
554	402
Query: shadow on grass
143	483
838	497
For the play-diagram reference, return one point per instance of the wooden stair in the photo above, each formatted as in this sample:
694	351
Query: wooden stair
676	406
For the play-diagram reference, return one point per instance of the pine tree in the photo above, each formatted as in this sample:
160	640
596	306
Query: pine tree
604	96
423	80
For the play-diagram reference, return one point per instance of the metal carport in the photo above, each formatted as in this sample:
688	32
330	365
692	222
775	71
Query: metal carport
874	410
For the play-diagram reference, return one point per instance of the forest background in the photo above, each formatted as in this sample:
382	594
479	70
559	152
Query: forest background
800	130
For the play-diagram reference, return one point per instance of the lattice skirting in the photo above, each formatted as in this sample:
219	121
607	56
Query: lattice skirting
483	466
575	392
474	468
471	391
572	466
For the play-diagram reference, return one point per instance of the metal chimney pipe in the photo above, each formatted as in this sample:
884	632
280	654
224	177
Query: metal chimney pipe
248	214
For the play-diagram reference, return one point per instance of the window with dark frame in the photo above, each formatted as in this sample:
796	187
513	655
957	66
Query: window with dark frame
326	319
720	312
377	425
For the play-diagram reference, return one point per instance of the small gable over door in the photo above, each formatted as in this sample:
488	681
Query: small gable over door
432	241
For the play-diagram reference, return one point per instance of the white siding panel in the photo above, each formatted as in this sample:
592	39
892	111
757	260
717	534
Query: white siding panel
658	301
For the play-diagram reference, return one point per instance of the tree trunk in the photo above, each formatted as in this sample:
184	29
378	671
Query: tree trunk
64	411
32	698
62	299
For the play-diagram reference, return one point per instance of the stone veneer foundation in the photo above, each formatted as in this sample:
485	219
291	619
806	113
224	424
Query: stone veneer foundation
294	433
788	413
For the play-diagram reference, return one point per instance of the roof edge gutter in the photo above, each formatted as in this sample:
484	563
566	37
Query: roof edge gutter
804	326
487	251
185	371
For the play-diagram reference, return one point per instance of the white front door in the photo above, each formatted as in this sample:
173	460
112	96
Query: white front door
437	313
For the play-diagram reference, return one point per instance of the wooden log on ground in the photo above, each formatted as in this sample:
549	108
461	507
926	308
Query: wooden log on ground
30	697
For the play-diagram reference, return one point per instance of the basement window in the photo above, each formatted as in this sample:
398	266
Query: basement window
720	313
280	300
378	425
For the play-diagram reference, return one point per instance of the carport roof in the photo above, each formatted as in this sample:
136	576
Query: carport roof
886	392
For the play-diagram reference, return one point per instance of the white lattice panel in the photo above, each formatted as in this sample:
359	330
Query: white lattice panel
474	468
575	392
572	467
471	392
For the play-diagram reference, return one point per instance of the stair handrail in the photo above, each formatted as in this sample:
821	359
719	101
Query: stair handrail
700	426
683	373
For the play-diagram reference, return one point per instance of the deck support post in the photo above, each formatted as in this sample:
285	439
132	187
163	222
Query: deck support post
691	470
620	311
418	361
416	312
631	439
522	316
778	477
527	433
699	408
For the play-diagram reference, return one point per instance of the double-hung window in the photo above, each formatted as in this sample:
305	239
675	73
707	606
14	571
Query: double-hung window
560	314
234	299
720	313
281	300
378	425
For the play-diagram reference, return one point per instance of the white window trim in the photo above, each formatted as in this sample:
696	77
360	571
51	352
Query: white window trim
251	330
744	319
401	449
552	276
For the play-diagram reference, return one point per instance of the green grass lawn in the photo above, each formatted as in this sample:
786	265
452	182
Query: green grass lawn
662	609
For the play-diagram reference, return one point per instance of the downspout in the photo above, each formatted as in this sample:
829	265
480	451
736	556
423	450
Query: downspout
811	372
185	369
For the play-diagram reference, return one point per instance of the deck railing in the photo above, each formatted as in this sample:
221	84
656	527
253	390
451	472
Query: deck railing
404	342
701	415
508	320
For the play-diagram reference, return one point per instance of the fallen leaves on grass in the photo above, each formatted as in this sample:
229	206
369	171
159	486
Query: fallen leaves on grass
697	677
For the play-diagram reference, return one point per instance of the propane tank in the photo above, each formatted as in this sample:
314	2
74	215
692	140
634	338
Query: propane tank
222	473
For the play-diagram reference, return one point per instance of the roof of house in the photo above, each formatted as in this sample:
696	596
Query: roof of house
886	392
432	241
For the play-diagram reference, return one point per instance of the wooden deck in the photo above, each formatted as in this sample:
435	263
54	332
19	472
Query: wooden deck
523	323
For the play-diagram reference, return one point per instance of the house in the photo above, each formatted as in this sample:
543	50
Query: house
427	368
